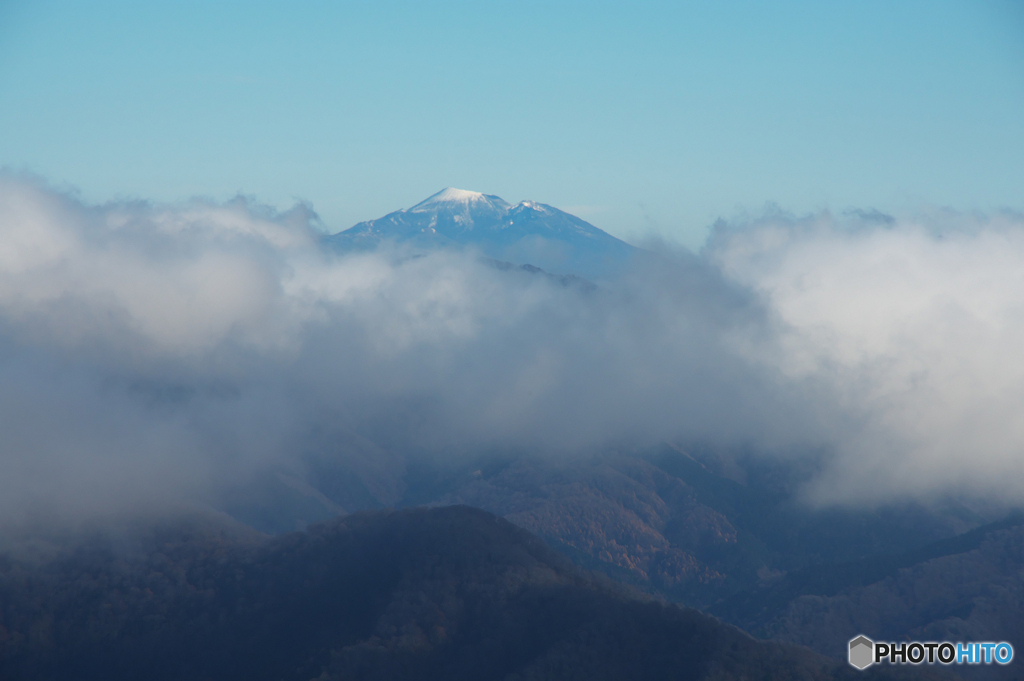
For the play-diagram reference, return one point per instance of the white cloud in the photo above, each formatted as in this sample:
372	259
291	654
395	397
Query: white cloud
151	352
915	329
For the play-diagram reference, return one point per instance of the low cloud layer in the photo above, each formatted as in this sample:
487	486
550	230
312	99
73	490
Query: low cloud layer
154	353
914	328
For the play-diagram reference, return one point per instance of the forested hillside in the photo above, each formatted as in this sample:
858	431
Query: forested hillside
447	593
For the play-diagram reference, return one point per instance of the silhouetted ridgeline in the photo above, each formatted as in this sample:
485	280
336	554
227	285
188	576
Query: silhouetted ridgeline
447	593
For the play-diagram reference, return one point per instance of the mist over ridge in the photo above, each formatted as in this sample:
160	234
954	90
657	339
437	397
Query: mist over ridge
152	353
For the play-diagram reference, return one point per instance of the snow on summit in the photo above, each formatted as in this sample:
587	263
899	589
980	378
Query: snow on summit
527	233
460	197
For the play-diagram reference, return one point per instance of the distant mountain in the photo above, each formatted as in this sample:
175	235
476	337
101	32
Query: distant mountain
526	233
447	593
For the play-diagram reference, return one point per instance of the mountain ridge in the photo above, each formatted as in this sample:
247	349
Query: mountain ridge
524	233
444	593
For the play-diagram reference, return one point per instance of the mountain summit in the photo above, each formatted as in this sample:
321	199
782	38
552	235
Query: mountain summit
524	233
456	197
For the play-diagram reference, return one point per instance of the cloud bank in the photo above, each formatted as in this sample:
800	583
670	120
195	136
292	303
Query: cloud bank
914	327
152	353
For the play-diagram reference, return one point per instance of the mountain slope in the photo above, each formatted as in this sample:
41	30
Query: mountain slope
969	587
665	523
447	593
659	519
526	233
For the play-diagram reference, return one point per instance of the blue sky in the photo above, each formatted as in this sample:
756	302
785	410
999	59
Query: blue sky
650	117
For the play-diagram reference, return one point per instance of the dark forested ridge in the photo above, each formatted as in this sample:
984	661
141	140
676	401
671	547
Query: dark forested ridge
446	593
689	525
968	588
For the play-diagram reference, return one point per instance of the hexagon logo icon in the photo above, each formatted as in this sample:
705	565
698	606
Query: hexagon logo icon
862	652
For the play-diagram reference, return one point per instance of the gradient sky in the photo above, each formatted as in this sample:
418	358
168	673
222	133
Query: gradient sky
651	117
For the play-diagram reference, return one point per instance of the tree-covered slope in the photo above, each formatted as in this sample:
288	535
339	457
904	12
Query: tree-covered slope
446	593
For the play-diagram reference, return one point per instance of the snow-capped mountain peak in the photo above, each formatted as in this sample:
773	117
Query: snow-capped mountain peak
452	198
527	233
